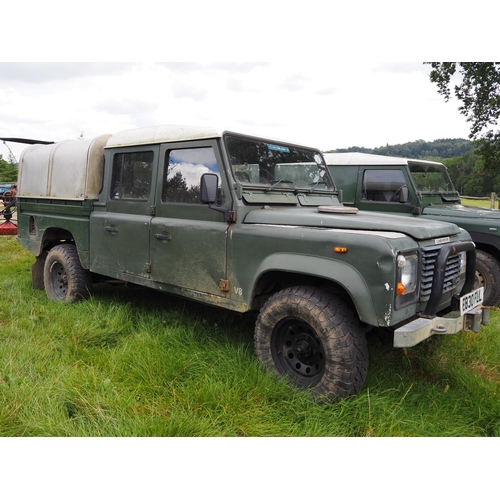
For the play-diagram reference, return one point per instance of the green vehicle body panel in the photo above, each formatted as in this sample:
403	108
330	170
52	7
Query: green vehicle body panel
348	169
370	286
55	219
365	221
236	253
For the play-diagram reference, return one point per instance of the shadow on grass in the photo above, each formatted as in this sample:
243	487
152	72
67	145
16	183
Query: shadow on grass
219	322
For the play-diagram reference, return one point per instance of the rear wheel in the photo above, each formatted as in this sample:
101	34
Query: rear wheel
488	275
315	339
64	277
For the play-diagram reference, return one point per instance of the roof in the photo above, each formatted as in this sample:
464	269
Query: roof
73	169
173	133
161	133
369	159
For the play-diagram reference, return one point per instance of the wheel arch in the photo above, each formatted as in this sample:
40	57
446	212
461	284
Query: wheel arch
279	271
53	236
488	243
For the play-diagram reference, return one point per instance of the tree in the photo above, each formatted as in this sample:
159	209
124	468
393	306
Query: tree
460	168
8	170
479	92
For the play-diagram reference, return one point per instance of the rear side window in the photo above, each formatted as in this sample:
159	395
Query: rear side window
131	179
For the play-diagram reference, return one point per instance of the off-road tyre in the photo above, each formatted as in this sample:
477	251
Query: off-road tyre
315	339
488	275
65	280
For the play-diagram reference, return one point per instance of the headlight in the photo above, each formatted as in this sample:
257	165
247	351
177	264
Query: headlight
407	278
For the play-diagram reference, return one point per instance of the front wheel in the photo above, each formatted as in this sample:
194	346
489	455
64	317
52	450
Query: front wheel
63	275
314	338
488	275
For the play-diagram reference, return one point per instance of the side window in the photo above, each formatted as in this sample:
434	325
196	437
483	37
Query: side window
184	168
382	185
131	179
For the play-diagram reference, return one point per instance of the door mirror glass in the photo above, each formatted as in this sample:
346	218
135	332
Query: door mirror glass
404	195
208	188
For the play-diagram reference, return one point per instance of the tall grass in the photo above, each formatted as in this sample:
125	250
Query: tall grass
133	362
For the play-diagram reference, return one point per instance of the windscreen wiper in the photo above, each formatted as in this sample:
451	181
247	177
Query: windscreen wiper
275	183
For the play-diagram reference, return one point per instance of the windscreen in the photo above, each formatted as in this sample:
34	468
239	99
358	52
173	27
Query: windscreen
431	178
271	165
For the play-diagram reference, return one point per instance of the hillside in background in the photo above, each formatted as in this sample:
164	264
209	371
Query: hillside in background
440	148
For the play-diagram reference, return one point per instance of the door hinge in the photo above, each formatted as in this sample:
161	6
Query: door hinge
224	285
152	211
147	268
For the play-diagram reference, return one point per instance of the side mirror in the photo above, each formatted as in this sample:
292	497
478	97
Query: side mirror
404	195
208	188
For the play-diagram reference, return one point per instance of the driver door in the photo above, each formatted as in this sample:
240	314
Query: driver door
188	239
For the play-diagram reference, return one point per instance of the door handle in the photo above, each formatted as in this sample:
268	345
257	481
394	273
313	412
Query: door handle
163	237
111	229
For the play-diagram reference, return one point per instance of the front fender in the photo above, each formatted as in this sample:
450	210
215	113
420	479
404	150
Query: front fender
342	274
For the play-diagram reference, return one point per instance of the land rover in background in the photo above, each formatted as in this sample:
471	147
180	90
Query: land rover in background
420	189
247	224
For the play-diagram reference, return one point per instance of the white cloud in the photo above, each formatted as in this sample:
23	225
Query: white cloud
329	106
187	90
36	73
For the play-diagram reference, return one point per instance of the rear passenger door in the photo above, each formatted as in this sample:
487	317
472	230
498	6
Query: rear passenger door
121	233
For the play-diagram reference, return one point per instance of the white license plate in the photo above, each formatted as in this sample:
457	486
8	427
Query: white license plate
471	300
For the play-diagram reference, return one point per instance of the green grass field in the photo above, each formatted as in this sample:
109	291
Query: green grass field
478	203
133	362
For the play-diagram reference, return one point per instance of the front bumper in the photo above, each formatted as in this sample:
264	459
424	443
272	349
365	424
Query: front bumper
420	329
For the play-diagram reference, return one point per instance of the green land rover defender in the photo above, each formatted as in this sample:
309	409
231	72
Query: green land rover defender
247	224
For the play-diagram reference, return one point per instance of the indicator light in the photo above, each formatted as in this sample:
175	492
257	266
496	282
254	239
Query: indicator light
340	250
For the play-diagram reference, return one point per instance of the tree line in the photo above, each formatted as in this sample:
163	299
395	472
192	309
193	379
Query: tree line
440	148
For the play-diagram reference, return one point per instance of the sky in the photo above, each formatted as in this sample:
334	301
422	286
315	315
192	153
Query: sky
335	106
330	83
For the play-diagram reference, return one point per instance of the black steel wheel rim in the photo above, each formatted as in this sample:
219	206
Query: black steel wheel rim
59	280
298	351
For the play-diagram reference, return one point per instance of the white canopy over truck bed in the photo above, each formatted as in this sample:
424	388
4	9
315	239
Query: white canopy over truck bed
70	170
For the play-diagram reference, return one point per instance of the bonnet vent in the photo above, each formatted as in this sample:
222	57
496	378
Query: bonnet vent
337	209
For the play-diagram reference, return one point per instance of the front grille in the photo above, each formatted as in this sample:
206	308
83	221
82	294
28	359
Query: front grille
452	273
